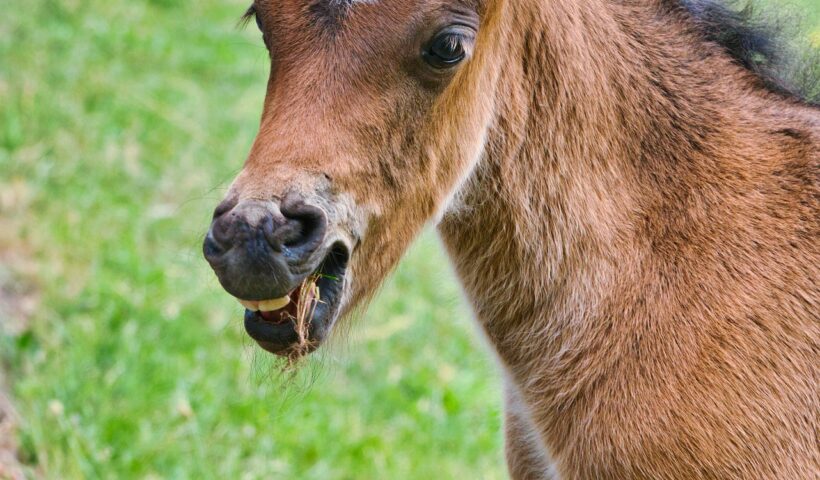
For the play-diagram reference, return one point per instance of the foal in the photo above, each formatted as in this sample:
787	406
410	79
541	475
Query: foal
630	204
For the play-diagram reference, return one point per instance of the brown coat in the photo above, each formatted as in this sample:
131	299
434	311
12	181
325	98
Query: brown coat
634	218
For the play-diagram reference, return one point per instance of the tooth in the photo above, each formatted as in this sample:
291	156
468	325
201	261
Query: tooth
252	306
275	304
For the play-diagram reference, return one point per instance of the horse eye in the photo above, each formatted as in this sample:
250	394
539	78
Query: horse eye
445	50
258	23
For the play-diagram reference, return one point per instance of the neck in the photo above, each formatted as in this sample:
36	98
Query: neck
599	136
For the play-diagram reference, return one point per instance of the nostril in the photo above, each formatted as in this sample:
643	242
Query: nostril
222	231
305	227
225	206
211	248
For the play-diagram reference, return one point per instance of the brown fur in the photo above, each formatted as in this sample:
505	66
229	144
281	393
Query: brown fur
635	221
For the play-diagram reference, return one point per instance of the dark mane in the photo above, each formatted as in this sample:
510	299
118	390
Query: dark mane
764	42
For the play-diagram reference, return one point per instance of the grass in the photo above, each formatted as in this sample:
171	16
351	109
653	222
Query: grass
121	124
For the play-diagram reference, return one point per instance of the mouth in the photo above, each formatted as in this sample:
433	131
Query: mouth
296	324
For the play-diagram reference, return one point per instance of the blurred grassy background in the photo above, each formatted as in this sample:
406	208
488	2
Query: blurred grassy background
121	124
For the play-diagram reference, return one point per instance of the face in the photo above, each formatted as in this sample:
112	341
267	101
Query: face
372	120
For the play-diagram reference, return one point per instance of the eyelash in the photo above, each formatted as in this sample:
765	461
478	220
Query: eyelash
246	17
249	14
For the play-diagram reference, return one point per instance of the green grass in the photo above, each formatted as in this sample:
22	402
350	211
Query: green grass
121	123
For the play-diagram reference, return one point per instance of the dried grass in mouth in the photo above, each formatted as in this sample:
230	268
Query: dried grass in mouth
309	298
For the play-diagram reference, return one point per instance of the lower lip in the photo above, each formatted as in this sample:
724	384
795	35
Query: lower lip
277	317
283	321
279	334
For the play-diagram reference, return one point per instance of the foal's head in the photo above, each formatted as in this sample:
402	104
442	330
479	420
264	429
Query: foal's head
376	112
